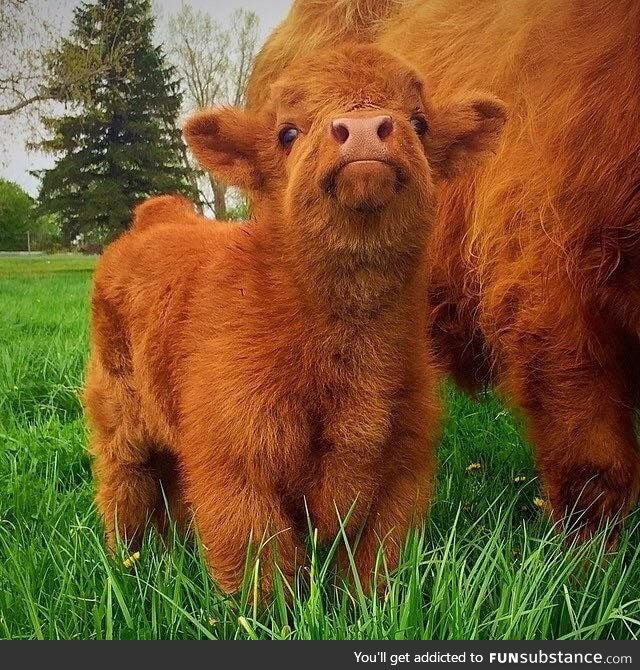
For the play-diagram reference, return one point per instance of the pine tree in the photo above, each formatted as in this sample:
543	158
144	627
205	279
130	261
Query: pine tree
117	142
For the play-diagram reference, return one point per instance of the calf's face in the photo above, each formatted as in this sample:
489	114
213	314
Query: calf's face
347	135
351	125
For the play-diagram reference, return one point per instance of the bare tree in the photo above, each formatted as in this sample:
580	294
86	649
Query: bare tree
20	67
214	62
32	47
9	17
244	37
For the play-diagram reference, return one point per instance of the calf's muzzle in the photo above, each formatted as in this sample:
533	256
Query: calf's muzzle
362	137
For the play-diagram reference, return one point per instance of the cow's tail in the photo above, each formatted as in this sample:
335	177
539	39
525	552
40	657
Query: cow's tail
162	209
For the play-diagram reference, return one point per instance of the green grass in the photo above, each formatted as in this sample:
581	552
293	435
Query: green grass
486	565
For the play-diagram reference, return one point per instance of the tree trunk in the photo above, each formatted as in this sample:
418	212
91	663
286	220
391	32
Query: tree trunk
192	177
219	200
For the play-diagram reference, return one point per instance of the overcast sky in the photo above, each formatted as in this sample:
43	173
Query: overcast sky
16	161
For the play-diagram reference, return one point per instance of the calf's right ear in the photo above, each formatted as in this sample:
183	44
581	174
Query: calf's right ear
225	141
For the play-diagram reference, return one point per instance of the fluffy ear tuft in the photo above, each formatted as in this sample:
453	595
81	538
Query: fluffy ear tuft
225	141
464	131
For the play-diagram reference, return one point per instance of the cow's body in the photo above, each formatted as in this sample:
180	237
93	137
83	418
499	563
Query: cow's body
206	356
536	258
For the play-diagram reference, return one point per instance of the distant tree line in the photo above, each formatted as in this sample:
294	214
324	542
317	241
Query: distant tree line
114	97
21	228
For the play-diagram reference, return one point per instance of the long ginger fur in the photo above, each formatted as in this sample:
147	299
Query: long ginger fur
249	373
535	282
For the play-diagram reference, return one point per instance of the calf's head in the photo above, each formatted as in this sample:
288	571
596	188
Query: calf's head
349	144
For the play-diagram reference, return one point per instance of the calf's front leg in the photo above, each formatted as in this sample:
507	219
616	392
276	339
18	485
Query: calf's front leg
347	477
237	521
402	499
234	486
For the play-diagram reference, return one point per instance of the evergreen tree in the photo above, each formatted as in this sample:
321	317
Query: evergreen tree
117	141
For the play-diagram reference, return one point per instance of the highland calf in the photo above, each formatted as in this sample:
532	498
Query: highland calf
247	373
535	259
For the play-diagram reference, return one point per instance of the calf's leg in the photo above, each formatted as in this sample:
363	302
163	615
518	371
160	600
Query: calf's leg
403	497
127	496
348	474
128	491
236	519
401	506
171	506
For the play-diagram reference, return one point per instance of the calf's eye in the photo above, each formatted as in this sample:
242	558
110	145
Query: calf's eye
287	136
419	124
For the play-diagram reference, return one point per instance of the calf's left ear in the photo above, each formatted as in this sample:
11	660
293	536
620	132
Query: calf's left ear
225	141
462	132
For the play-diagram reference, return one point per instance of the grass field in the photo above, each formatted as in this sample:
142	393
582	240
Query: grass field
486	565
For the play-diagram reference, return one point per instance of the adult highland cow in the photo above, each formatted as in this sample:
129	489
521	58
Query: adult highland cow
536	258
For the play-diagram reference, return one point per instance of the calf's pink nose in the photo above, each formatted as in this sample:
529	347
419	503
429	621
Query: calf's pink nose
362	137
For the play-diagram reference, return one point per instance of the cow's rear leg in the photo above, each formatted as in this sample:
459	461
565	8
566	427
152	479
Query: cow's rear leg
127	488
582	425
171	507
128	496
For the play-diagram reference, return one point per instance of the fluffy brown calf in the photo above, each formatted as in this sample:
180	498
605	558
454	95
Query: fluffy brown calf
252	369
536	259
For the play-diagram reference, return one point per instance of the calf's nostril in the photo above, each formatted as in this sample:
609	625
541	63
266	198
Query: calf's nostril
340	131
385	128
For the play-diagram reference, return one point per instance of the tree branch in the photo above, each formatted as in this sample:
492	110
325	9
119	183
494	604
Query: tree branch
6	111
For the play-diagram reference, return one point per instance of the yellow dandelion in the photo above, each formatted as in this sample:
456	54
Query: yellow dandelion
473	467
128	562
540	503
520	479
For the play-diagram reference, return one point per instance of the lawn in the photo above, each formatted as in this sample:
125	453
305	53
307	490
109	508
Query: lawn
486	565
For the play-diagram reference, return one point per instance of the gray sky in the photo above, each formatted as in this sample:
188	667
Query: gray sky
16	161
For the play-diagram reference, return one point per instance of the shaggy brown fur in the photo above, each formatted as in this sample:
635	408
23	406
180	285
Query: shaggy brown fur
252	369
536	259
